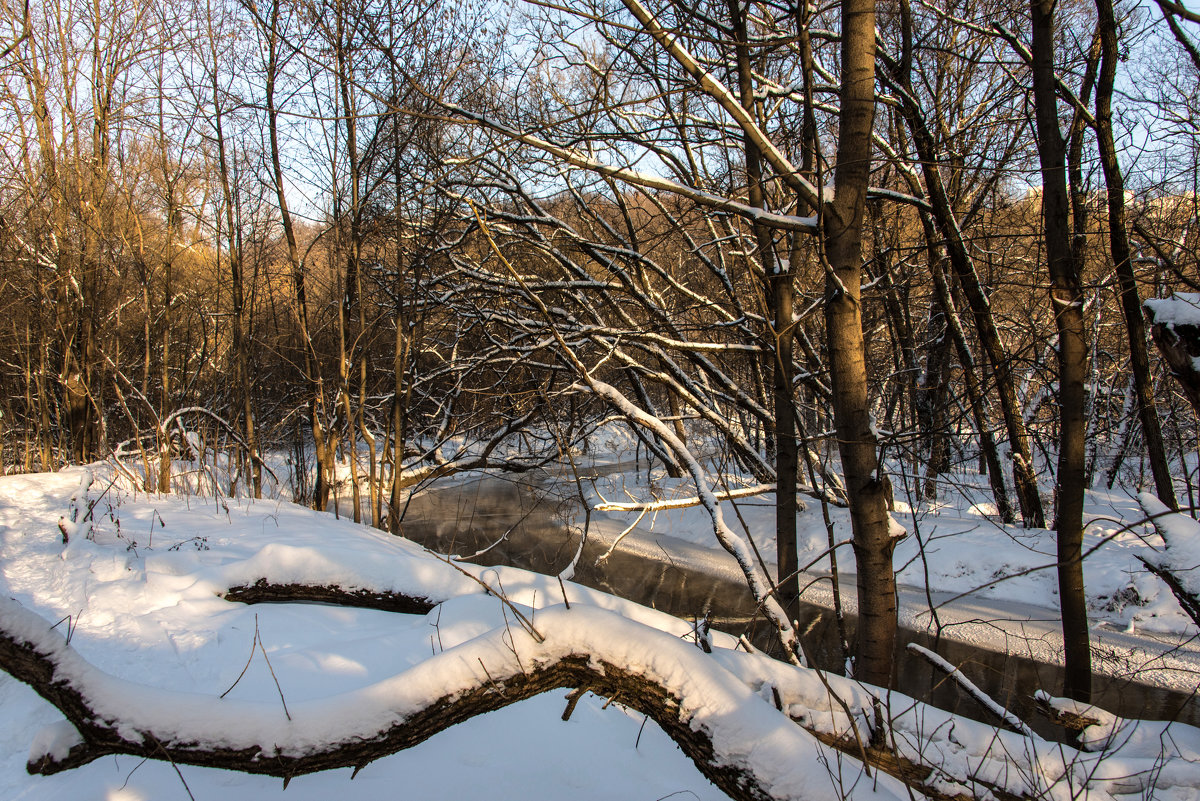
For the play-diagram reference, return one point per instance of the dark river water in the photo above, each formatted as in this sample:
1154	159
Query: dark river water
1006	648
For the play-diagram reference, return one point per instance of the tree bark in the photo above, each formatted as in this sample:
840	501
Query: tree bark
1118	237
779	280
843	222
1024	480
1066	300
312	368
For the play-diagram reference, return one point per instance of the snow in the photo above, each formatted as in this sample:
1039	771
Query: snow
54	740
1182	537
1182	308
357	715
959	546
143	630
150	617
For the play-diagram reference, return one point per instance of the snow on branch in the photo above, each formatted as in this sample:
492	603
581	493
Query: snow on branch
738	740
1175	328
279	572
683	503
1069	713
756	578
1179	563
970	688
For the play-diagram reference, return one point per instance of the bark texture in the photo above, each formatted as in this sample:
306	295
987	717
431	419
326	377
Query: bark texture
1066	299
1118	235
857	444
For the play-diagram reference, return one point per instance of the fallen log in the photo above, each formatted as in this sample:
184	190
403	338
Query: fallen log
736	739
263	591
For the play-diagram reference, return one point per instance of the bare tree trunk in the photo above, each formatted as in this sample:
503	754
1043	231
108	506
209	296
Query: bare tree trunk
237	280
33	426
843	222
1024	480
975	398
173	213
312	368
1118	236
779	280
400	356
1066	299
350	290
47	447
932	395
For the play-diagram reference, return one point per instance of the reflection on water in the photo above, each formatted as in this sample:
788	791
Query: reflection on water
537	526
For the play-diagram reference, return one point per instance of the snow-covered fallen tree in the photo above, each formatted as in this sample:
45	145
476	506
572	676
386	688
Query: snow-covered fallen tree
734	736
722	709
493	637
1178	563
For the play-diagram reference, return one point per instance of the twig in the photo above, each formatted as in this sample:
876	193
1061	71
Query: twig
573	699
273	677
521	618
499	687
641	728
129	775
604	556
178	772
1009	720
250	659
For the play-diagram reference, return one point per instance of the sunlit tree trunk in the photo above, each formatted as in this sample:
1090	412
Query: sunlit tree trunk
312	368
843	223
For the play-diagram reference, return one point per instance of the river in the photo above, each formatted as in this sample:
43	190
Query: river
1007	648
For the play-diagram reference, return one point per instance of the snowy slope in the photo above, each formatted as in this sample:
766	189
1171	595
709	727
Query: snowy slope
153	642
144	612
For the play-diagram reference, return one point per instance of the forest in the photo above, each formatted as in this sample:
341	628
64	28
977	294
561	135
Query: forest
865	256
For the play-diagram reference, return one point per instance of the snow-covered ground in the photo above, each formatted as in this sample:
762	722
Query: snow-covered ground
138	596
956	546
142	607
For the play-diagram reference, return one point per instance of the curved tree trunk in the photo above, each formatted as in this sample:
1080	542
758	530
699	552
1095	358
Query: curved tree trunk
704	708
